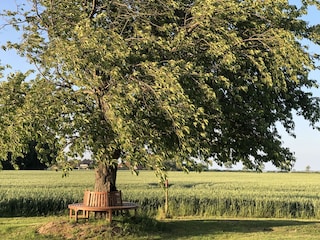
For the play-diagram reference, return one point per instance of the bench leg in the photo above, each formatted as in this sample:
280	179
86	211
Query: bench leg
76	215
109	212
85	214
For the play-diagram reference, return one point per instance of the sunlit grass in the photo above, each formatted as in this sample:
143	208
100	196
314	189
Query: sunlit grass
219	194
183	228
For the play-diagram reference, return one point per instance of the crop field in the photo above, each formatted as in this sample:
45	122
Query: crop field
206	194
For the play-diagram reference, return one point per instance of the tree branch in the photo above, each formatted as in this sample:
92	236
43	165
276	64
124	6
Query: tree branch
93	9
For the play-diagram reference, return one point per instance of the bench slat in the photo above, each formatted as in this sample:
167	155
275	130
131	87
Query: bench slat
100	202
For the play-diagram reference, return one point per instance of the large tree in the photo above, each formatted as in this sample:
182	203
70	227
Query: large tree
147	81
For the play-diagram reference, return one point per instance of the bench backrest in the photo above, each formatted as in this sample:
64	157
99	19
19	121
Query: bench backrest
95	199
102	199
98	199
115	198
86	198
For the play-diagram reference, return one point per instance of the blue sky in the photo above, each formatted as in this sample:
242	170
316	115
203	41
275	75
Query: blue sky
305	146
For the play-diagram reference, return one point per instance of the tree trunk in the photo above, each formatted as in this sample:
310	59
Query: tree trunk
106	175
105	178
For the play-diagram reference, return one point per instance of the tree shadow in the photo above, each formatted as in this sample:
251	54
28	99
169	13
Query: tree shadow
193	228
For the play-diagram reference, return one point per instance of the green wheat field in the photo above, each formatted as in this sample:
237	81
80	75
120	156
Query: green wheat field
211	194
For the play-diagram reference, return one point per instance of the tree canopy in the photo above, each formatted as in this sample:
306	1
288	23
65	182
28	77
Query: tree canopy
147	81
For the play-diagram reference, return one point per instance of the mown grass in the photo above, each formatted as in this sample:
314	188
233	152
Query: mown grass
23	228
187	228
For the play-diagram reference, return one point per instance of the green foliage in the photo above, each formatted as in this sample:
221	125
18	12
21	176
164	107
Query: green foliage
22	130
30	160
185	81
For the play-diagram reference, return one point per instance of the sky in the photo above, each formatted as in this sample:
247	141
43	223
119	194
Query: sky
306	145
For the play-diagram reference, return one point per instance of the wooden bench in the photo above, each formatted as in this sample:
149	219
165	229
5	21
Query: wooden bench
100	202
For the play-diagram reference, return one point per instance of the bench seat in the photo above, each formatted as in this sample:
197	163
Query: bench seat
99	202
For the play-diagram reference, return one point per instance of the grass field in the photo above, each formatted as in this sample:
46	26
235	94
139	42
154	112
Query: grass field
208	205
188	228
221	194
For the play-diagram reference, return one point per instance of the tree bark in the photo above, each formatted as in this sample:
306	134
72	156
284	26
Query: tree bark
105	178
106	175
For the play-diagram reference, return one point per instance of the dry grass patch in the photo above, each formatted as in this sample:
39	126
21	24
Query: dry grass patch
85	230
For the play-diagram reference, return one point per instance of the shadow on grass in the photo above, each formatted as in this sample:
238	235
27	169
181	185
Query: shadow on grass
192	228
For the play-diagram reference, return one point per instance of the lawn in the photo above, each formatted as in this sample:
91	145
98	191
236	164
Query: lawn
185	228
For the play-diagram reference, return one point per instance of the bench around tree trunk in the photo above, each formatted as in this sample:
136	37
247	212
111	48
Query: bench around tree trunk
107	202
